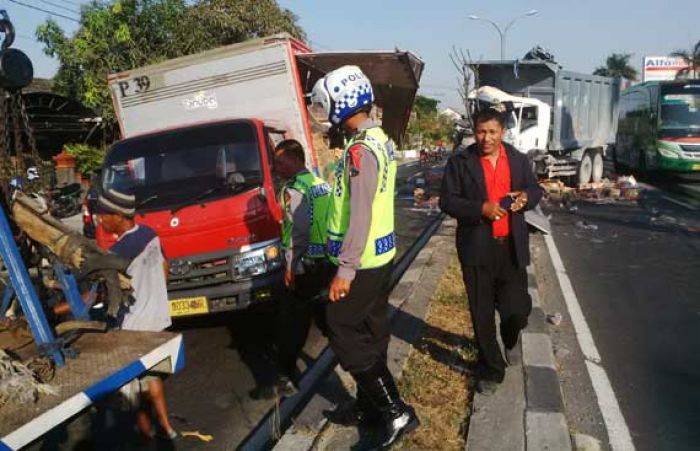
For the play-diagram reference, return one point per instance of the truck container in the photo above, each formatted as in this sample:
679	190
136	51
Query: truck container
199	133
580	114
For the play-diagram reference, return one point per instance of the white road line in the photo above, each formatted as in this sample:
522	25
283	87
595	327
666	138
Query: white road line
618	432
679	202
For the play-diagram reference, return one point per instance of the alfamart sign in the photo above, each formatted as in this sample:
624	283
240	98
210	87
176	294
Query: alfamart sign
659	68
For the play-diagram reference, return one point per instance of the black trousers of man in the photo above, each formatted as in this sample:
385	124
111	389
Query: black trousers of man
296	311
358	324
500	285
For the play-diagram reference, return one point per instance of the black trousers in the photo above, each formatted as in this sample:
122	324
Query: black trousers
499	285
295	313
358	324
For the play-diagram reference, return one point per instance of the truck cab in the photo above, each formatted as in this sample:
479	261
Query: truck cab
207	190
527	119
198	138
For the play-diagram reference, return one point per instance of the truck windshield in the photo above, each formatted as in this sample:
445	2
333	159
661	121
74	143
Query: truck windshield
177	168
680	111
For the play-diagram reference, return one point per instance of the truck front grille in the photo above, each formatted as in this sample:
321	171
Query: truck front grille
691	152
187	274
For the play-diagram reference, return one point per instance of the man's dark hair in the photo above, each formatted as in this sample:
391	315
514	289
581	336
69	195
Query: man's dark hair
293	148
489	114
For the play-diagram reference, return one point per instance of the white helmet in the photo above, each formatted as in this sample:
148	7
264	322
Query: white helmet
340	94
32	173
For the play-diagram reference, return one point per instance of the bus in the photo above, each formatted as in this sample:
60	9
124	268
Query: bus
659	129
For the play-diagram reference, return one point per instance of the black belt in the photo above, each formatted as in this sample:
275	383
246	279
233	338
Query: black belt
501	239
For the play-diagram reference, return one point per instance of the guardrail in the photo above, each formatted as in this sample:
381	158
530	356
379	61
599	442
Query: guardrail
273	425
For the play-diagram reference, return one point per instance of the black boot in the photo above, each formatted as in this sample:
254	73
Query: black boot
399	418
367	414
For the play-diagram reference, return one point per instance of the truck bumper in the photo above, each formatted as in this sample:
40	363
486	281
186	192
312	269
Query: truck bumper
679	164
232	295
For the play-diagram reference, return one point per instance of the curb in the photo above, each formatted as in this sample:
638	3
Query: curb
545	423
409	303
528	409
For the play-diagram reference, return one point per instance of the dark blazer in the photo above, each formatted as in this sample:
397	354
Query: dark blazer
463	194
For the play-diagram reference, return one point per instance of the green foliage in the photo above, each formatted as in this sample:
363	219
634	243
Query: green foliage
426	126
692	59
119	35
425	105
88	159
617	65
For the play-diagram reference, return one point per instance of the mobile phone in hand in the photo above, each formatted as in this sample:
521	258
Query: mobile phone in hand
506	202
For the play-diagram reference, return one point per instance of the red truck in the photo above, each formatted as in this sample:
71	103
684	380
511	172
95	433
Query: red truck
199	132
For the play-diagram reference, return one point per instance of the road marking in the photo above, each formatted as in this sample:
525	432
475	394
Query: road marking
679	202
618	432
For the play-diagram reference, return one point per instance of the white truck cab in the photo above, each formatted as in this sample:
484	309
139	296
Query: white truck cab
527	125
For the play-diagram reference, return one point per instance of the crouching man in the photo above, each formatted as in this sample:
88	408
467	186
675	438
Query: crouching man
149	312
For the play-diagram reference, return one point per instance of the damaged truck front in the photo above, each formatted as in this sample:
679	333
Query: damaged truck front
199	134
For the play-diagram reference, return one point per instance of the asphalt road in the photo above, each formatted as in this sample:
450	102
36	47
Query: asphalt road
635	268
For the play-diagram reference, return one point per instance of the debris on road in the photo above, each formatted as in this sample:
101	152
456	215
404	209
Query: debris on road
583	442
18	383
554	319
624	188
198	435
583	225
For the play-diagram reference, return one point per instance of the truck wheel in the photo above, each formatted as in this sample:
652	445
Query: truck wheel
585	169
597	171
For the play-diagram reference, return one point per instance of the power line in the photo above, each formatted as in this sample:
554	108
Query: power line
45	11
57	5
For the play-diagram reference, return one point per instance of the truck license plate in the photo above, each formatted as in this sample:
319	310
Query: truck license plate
696	167
189	306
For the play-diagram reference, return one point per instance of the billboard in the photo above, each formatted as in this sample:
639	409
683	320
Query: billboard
659	68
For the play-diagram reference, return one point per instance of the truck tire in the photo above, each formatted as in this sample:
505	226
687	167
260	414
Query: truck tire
585	169
598	166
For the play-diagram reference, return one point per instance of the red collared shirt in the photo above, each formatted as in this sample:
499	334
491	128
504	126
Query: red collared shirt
497	187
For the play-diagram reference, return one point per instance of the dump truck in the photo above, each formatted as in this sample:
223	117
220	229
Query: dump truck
565	121
198	137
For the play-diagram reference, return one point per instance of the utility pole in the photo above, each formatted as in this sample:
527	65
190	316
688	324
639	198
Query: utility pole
504	32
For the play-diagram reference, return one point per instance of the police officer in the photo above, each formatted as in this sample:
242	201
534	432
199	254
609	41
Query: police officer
304	200
361	244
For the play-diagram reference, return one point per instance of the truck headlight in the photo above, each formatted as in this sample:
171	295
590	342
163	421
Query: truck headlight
257	262
668	153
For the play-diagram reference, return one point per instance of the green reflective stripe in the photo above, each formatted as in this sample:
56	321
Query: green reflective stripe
316	193
380	248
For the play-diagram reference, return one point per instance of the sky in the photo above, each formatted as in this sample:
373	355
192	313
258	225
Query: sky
580	34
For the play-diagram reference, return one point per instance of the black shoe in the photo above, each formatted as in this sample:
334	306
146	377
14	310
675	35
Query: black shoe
360	413
399	418
487	387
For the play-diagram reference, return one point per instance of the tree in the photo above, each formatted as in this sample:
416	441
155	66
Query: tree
426	125
617	65
692	59
88	159
425	105
119	35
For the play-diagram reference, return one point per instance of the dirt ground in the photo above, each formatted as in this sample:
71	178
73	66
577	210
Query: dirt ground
436	381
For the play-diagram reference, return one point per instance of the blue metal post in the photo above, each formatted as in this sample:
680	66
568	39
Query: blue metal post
22	284
6	298
71	292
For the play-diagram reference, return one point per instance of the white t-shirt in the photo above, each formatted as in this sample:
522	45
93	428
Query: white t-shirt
149	312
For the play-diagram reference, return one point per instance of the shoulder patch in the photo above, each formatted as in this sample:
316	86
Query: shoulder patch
355	153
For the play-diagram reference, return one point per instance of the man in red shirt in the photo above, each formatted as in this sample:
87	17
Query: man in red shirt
487	187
